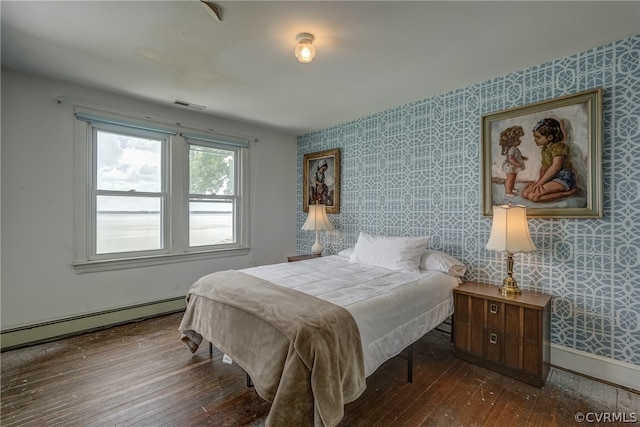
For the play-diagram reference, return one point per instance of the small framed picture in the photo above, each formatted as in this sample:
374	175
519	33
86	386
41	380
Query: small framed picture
546	156
321	180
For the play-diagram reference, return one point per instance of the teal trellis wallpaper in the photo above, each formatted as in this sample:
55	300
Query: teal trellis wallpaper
415	170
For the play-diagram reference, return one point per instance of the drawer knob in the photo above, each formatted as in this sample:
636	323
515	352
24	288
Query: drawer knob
493	308
493	338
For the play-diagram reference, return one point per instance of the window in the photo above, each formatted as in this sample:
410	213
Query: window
156	195
128	191
213	195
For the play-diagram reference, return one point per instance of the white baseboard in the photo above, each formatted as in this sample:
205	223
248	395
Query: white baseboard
19	337
609	370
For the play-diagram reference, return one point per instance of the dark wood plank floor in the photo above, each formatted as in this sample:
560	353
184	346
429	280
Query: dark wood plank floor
141	374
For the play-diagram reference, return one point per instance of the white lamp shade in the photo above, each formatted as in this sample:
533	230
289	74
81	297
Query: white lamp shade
510	231
317	219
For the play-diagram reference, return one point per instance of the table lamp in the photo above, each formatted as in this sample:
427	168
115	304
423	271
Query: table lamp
317	220
510	234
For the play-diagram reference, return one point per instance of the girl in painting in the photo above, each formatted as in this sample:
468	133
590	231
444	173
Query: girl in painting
321	190
556	178
514	160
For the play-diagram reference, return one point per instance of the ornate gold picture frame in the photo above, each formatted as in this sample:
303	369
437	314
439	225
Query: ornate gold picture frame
321	180
546	156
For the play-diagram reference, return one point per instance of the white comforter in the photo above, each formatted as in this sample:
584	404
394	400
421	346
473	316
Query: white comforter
392	309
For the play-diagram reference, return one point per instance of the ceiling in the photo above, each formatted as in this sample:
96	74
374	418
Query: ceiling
371	55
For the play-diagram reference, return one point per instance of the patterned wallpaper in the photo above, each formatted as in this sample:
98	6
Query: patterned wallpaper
415	170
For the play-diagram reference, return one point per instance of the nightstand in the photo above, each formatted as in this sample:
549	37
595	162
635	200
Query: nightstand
508	334
301	257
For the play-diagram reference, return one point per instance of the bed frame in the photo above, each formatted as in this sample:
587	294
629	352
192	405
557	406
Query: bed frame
230	292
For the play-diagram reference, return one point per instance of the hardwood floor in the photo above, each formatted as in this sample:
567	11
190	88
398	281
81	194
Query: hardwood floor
141	374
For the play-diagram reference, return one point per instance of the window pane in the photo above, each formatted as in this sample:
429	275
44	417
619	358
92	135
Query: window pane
210	223
211	170
126	224
127	163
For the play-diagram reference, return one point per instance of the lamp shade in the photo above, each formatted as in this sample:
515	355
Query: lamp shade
510	231
317	219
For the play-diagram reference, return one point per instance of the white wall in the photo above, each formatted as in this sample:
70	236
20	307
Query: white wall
38	282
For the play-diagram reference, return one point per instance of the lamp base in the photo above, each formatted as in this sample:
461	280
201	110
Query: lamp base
317	248
509	284
509	287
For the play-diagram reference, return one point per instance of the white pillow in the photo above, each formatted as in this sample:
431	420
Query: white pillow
394	253
345	253
439	261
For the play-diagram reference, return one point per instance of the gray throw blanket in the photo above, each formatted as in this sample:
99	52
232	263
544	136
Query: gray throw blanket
303	354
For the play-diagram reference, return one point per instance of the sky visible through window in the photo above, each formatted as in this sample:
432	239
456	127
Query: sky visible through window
127	163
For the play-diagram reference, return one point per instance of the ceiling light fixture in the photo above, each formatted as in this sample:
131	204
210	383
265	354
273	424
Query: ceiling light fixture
305	52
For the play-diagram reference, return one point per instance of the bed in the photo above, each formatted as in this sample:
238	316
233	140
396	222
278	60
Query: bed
308	333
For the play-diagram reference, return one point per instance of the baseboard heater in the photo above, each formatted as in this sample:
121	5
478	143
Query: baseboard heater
57	329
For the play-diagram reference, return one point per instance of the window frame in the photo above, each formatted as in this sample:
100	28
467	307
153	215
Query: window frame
175	230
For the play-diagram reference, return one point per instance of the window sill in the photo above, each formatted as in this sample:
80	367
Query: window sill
124	263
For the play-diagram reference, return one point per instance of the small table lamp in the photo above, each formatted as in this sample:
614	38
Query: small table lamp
510	234
317	220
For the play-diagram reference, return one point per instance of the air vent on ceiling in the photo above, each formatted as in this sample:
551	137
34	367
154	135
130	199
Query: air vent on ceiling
189	105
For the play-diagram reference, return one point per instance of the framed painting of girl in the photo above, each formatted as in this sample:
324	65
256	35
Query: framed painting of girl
546	156
321	180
